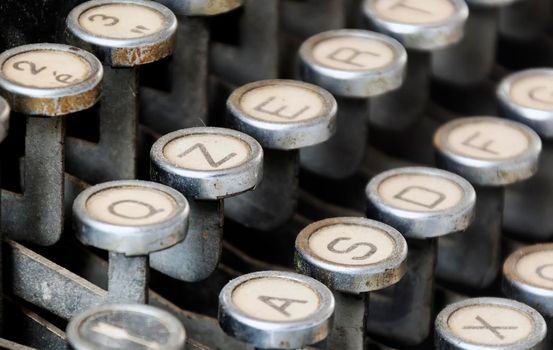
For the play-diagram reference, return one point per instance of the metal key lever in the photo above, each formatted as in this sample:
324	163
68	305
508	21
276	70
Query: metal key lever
207	165
424	27
126	326
354	65
527	278
130	219
490	153
284	116
489	323
276	310
185	105
352	257
44	82
470	61
423	204
525	97
125	34
257	55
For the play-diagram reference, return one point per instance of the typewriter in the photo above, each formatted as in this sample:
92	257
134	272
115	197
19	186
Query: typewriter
276	174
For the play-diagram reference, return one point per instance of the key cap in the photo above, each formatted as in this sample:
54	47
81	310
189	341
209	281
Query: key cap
526	97
353	65
185	104
528	278
125	327
491	153
124	35
130	219
423	27
207	165
45	83
284	116
489	323
470	61
277	310
351	256
423	204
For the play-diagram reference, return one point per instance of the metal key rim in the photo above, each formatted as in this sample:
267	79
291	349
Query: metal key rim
443	332
487	172
301	332
540	120
349	278
284	136
522	289
81	88
425	37
423	224
131	240
208	184
354	83
175	328
160	43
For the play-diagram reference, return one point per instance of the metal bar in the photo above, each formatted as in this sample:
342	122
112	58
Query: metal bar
128	279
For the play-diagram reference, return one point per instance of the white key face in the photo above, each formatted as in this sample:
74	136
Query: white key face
421	193
533	92
207	152
487	140
46	69
282	103
131	206
276	299
536	268
353	53
121	21
491	325
351	245
423	12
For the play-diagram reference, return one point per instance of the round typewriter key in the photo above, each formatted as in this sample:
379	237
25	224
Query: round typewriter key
124	34
44	80
125	327
284	116
527	97
470	61
207	165
528	278
354	65
489	323
130	219
423	204
490	153
423	27
352	256
202	7
278	310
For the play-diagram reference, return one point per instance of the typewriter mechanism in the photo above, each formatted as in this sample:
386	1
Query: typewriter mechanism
276	174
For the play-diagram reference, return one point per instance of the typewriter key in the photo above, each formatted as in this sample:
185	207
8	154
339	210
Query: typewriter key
423	27
351	256
526	97
130	219
528	278
490	153
284	116
489	323
278	310
124	34
125	327
470	61
44	82
185	104
353	65
423	204
206	165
